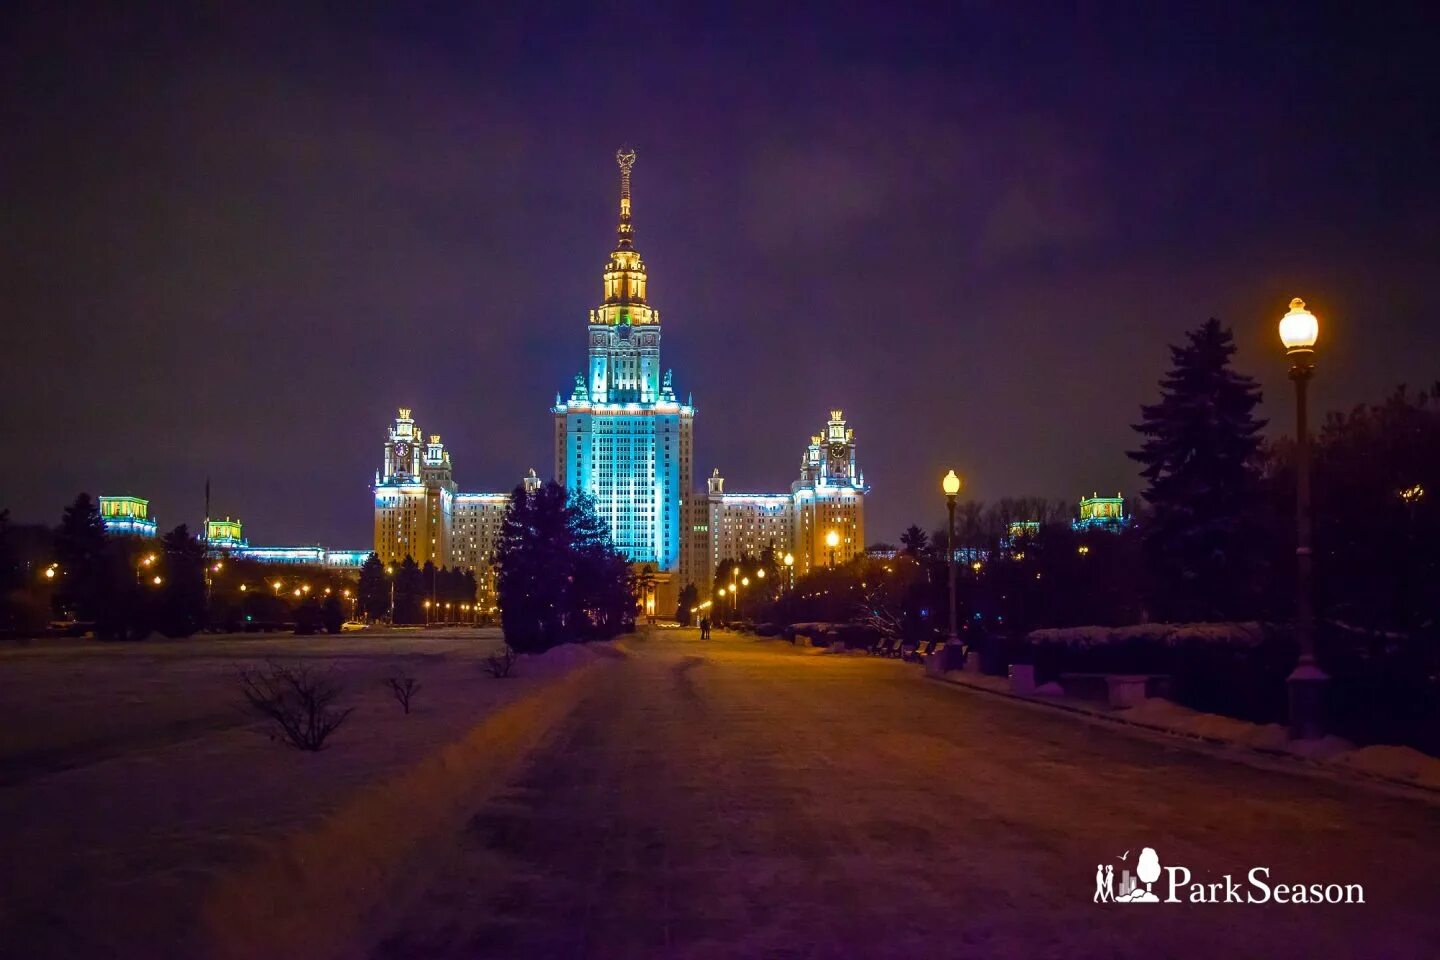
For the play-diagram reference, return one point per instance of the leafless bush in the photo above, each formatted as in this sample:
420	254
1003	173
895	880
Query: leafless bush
299	700
499	665
403	686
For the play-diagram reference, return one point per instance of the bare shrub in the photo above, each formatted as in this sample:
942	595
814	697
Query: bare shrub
299	700
403	687
499	665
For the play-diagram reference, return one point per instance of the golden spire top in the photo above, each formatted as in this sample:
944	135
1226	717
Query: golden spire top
625	157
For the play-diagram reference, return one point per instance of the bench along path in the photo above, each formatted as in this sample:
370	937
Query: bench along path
739	798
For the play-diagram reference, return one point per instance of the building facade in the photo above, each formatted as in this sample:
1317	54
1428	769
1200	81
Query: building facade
1102	513
622	437
828	500
129	516
421	513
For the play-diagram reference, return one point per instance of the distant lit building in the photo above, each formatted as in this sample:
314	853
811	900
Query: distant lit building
224	534
622	436
1102	513
420	512
414	497
227	537
127	515
829	497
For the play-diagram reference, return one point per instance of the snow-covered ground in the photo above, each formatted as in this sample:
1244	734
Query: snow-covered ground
132	782
1404	765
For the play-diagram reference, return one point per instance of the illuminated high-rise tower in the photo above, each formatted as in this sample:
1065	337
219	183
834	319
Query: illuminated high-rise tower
622	436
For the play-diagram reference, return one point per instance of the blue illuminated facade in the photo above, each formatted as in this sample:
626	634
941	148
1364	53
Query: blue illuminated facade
622	436
127	516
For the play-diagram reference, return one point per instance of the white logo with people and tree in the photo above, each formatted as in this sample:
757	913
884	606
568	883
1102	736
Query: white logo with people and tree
1128	890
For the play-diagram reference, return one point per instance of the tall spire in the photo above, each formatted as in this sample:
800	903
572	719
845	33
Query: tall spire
625	157
625	282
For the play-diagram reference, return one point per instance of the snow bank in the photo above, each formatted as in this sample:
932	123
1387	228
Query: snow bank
1395	763
1170	634
1399	763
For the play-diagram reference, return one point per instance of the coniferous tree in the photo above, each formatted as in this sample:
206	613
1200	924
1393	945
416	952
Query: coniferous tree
332	614
80	551
689	597
559	576
914	542
373	592
430	582
181	600
1200	449
534	568
409	592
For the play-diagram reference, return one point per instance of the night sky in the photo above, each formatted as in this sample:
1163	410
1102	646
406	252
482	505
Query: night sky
234	242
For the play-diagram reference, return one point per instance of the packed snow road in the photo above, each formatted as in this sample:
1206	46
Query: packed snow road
740	798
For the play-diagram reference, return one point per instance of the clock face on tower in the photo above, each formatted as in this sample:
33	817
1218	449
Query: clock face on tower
837	450
400	451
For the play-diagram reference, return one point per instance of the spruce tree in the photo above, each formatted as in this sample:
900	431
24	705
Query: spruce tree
409	590
1200	454
373	591
181	600
80	552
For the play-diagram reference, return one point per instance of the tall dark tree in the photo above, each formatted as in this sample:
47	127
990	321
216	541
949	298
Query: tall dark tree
373	591
914	542
689	597
180	603
429	582
1200	457
332	614
560	577
534	568
409	592
80	551
602	598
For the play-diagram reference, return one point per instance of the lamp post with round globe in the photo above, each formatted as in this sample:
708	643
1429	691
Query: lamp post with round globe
1299	329
950	484
832	540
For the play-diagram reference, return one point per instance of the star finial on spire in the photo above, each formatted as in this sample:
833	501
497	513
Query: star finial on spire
625	157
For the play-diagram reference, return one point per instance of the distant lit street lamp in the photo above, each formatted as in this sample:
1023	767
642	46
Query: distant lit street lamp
790	571
390	572
832	540
1298	331
949	658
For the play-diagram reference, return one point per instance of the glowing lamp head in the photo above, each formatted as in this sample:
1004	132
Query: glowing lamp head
744	581
158	581
243	588
760	573
832	539
789	559
951	484
721	591
1299	329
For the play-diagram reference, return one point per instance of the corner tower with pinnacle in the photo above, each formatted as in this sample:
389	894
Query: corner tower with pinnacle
622	436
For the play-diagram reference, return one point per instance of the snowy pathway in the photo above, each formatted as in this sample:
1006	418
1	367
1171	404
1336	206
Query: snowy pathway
746	799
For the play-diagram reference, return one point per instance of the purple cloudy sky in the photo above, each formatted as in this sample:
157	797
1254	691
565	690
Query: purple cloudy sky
235	241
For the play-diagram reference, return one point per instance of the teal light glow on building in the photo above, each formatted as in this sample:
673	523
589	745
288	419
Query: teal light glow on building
1102	513
622	436
127	516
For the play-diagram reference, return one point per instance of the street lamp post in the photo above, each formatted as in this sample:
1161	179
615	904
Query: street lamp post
1299	330
390	572
950	658
832	540
789	571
